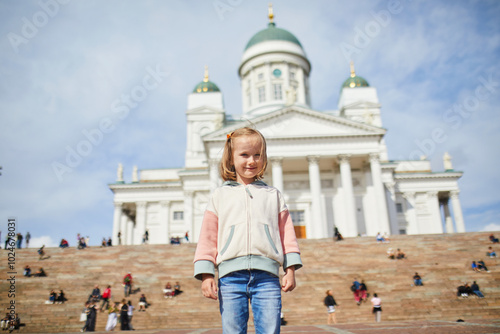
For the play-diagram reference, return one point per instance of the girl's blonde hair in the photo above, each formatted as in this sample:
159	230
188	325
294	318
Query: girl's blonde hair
227	170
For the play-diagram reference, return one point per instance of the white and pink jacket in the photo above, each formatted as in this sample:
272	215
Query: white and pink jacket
246	227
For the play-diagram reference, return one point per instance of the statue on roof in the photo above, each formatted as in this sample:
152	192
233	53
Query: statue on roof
119	173
447	161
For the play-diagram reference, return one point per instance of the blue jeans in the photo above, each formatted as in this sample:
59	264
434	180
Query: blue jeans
264	292
478	293
127	289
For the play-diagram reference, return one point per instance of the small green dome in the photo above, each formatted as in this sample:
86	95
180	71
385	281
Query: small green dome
206	87
272	34
355	81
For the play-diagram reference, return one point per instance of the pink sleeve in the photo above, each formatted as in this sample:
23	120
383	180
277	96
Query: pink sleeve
207	243
287	233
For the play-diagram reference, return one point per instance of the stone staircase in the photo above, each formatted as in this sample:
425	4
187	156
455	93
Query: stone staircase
443	261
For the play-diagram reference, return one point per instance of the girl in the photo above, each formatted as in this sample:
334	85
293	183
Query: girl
247	233
377	307
330	304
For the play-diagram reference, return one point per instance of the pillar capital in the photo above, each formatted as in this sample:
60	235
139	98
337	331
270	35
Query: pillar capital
454	194
118	205
276	161
344	158
141	205
165	203
409	196
374	157
313	159
432	193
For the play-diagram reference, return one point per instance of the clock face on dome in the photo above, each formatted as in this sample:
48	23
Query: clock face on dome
277	73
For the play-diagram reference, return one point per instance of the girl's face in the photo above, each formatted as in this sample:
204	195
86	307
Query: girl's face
246	158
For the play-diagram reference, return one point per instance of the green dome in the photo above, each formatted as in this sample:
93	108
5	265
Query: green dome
272	34
206	87
355	81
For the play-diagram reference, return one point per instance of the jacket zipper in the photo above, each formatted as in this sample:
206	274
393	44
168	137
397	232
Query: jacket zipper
248	222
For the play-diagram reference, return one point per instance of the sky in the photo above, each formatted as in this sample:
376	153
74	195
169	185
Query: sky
69	67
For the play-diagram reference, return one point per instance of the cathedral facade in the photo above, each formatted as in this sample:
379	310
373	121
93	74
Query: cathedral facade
331	166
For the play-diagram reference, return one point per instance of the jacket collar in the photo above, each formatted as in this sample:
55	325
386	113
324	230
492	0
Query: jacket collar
235	184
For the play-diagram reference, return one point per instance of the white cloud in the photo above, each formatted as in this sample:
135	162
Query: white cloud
491	227
46	240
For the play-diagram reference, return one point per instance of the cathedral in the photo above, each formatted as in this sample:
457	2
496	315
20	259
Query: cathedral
331	166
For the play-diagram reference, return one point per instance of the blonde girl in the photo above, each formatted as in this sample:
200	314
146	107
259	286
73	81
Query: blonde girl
247	234
330	305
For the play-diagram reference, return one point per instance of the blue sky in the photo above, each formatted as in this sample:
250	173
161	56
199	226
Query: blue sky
67	66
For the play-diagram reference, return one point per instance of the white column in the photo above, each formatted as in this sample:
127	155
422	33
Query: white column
447	217
457	211
165	222
188	211
345	174
130	232
214	174
123	228
411	213
391	204
140	222
317	226
383	217
116	222
436	223
277	173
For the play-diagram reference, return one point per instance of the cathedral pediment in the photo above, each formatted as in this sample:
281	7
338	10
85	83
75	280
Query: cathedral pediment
361	105
300	122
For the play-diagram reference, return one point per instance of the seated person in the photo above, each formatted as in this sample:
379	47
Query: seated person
81	243
27	271
337	234
103	242
143	304
15	323
474	266
177	289
95	296
386	237
475	289
282	317
168	291
417	280
482	266
64	243
390	254
493	239
5	323
52	297
109	243
400	255
61	298
462	291
491	252
40	273
380	238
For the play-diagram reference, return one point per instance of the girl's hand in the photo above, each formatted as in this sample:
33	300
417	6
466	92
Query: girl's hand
208	286
288	282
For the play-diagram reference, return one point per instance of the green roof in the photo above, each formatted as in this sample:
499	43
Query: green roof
355	81
206	87
272	34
